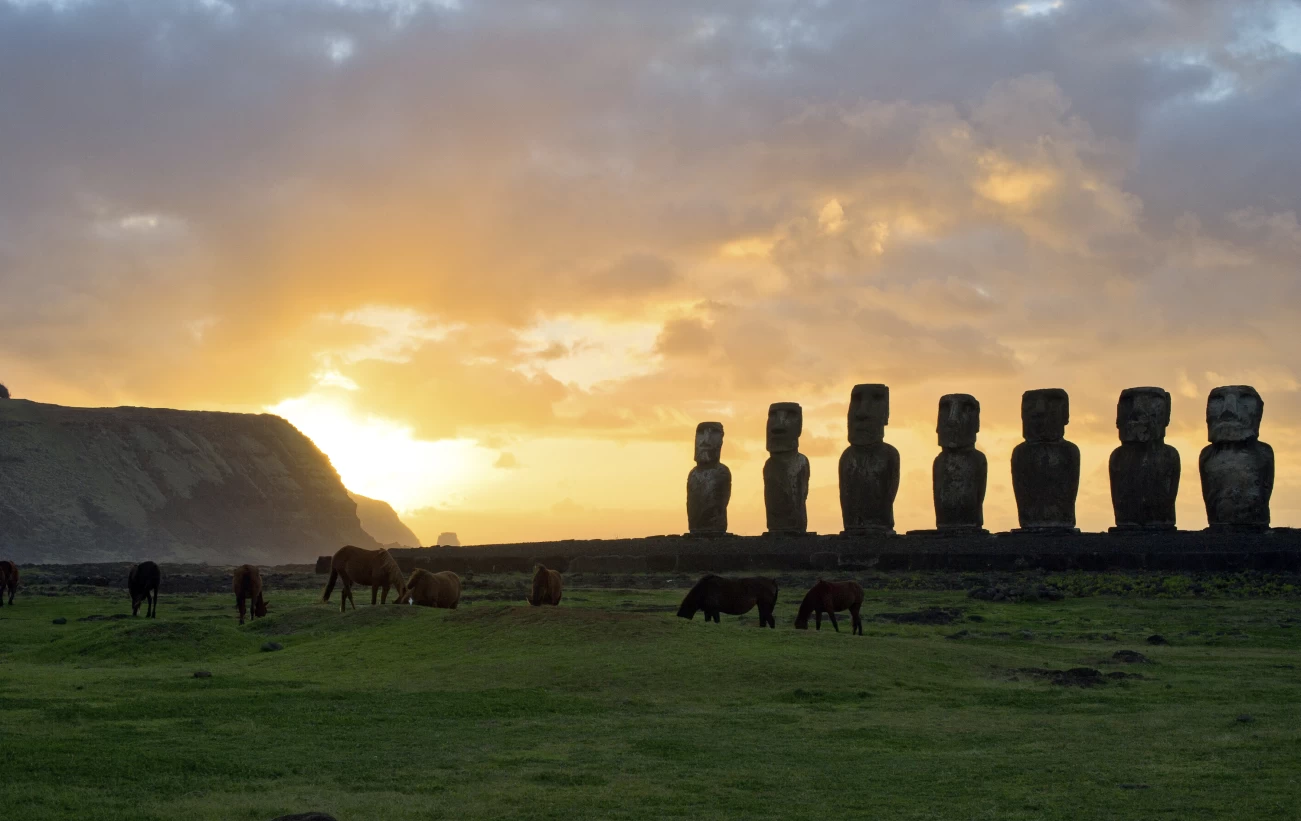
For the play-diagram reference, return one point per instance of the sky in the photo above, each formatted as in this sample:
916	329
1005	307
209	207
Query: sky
498	259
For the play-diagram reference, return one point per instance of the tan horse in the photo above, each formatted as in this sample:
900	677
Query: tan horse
248	585
8	581
365	567
434	589
546	586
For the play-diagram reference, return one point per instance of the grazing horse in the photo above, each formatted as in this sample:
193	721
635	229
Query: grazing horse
715	594
8	581
829	597
365	567
434	589
142	581
248	585
546	586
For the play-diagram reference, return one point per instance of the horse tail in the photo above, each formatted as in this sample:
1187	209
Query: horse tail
691	603
329	586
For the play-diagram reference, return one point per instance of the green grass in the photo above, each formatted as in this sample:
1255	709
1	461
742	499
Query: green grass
609	707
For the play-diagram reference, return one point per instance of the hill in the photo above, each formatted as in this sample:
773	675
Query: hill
122	484
382	522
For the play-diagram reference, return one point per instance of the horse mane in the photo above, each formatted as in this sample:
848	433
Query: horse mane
392	570
538	568
807	605
691	603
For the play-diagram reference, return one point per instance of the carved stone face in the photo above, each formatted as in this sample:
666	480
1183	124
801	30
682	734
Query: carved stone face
869	413
1045	414
959	420
1143	414
1233	413
785	423
709	443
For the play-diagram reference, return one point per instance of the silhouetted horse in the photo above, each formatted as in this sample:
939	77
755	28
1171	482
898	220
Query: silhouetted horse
143	581
365	567
248	585
715	594
434	589
546	586
8	580
830	597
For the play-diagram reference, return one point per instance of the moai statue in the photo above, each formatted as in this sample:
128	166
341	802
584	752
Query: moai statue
1045	467
869	468
960	472
1237	468
1144	469
709	485
786	473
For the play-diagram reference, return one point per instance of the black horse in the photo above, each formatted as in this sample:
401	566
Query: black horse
715	594
143	581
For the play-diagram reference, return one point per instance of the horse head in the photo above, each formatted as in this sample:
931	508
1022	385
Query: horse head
259	609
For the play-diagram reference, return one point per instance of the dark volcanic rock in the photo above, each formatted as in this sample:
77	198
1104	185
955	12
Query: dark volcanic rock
1129	657
202	674
104	484
930	615
1156	639
60	620
306	816
272	646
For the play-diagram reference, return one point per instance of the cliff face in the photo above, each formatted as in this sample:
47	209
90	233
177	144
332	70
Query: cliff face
118	484
381	521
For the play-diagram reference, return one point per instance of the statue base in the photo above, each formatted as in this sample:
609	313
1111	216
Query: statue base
1044	530
949	532
709	534
1158	528
785	533
1238	528
869	531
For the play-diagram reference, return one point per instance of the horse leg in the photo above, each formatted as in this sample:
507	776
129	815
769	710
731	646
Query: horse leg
817	619
345	594
374	594
239	602
153	604
832	614
858	622
383	596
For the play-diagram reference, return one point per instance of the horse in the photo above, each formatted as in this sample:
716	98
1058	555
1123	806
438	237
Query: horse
546	586
829	597
248	585
365	567
715	594
434	589
142	581
8	581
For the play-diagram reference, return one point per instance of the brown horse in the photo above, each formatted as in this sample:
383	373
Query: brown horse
434	589
830	597
8	580
715	594
142	581
248	585
546	586
365	567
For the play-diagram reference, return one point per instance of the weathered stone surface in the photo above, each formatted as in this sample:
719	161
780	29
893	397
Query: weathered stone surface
381	521
786	473
709	484
103	484
1045	467
1144	469
869	468
960	473
1237	469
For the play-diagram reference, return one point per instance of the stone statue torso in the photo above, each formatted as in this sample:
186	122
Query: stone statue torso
785	492
1237	482
1045	481
1144	484
869	481
709	489
958	478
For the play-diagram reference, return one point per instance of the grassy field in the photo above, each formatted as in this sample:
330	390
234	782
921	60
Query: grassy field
609	707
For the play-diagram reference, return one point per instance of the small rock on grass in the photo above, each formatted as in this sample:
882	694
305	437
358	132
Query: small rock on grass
306	816
202	674
1156	638
272	646
1129	657
60	620
1246	719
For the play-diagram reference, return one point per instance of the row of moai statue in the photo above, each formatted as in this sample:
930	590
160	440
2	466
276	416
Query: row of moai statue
1237	469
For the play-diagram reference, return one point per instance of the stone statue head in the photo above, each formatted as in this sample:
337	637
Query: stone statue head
1044	414
709	443
785	423
1142	414
869	413
1233	413
959	420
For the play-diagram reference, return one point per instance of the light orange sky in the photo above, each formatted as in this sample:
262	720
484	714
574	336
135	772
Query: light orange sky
499	261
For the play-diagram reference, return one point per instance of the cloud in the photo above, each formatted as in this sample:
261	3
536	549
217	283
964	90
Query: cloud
603	221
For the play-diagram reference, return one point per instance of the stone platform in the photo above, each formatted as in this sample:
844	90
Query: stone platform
1174	551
